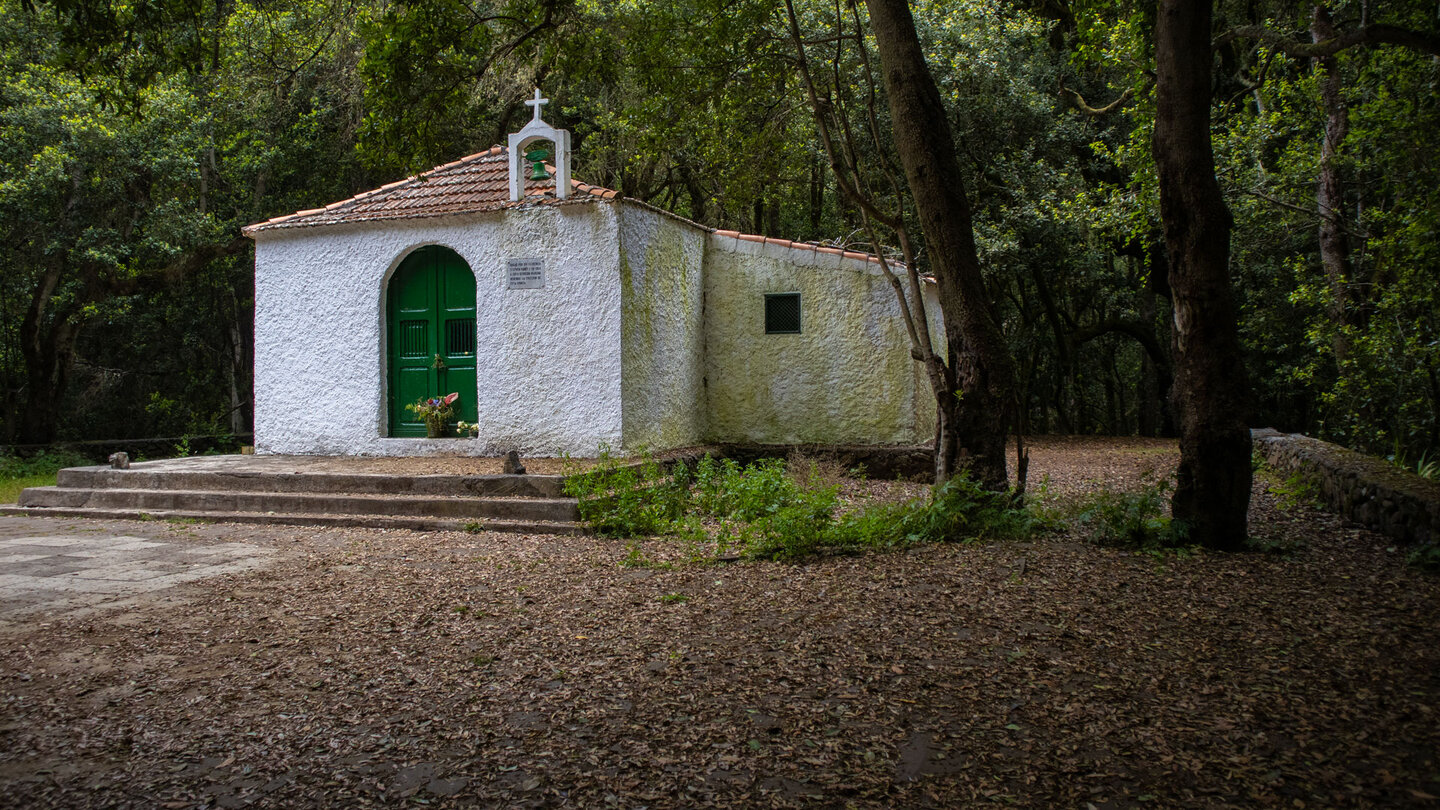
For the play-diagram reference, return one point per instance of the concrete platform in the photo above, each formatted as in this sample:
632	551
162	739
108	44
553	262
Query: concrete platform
58	568
416	493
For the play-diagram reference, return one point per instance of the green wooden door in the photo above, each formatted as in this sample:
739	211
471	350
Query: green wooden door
430	310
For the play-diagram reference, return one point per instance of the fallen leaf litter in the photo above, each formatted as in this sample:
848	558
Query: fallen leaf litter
375	668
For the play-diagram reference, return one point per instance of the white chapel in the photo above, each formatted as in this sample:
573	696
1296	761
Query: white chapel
566	318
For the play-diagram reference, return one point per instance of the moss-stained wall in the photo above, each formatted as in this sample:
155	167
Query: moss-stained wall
662	356
847	378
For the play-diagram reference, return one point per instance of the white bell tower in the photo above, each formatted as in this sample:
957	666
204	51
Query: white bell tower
538	130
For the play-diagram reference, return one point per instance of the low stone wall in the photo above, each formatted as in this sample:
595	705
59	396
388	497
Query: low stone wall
1368	490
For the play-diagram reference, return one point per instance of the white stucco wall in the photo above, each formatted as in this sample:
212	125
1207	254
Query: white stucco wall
846	378
662	330
548	360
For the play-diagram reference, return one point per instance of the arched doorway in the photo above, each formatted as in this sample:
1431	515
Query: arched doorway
430	323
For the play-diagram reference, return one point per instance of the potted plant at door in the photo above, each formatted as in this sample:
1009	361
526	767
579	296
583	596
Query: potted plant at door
435	412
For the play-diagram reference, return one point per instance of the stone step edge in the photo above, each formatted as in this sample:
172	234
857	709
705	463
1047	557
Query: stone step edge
346	496
437	484
288	519
410	506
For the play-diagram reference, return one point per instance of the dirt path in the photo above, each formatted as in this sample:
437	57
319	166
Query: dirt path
368	668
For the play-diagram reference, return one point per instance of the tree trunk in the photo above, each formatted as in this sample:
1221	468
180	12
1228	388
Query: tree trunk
817	195
1330	191
47	344
973	428
1210	396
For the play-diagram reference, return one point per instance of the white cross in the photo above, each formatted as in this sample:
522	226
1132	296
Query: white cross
537	103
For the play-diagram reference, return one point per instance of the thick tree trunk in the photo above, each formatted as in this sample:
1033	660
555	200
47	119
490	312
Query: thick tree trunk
1210	396
1330	190
973	428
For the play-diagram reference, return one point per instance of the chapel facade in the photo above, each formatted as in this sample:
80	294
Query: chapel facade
568	319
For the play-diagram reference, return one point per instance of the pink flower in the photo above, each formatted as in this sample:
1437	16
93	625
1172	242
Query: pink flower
451	397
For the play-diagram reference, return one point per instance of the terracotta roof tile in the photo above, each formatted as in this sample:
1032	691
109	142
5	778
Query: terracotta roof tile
479	182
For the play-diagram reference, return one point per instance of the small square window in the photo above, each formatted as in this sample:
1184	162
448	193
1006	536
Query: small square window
782	313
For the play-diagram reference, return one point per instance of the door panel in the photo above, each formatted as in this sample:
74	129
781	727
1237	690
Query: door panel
430	311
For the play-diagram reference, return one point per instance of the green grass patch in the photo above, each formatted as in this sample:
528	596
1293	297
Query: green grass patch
10	488
18	473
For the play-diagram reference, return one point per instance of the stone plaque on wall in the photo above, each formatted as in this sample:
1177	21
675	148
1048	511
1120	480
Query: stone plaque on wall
524	274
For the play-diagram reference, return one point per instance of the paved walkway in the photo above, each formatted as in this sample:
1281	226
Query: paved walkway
68	566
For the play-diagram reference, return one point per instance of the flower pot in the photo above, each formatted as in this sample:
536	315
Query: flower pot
434	430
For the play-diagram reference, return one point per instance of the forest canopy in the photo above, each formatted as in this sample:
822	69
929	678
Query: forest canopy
137	137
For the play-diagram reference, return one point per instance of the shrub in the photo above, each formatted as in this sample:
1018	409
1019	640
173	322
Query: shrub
1134	519
765	512
46	462
800	526
629	500
724	489
961	509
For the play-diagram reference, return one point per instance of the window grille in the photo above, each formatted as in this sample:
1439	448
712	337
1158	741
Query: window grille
460	337
414	339
782	313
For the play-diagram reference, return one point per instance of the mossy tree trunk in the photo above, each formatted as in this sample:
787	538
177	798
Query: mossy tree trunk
1210	394
973	424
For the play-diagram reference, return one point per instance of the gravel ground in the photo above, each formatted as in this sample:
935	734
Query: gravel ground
372	668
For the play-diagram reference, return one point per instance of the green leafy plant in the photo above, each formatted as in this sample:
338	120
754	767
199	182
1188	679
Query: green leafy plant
1134	519
1425	556
800	526
774	511
629	500
725	489
961	509
1298	489
1428	468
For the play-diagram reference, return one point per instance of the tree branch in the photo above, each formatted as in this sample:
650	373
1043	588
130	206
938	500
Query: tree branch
1423	41
1079	102
1125	326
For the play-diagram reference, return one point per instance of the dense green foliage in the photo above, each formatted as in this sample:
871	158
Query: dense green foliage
136	139
768	510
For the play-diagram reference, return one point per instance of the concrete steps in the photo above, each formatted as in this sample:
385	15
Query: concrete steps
174	491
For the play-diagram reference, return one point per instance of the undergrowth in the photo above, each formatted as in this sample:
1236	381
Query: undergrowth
1131	519
768	510
1425	556
17	473
1136	520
